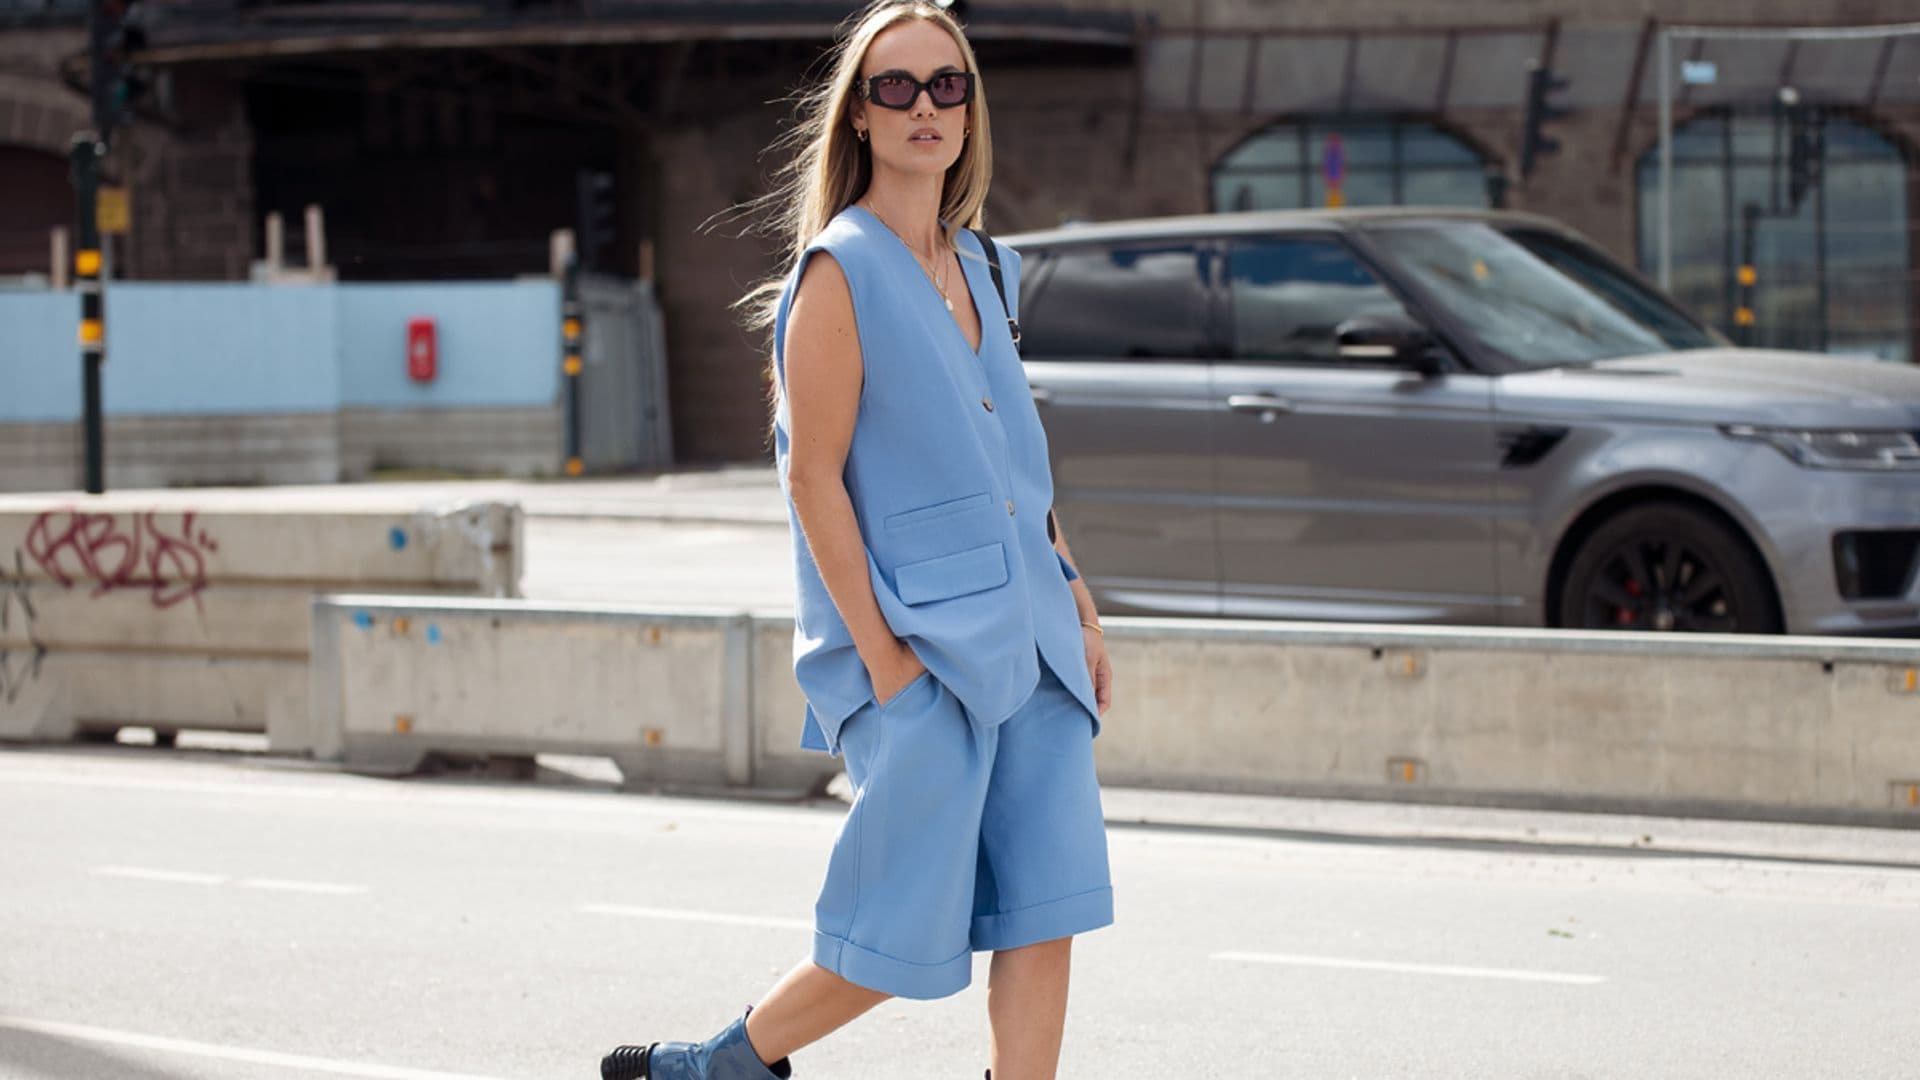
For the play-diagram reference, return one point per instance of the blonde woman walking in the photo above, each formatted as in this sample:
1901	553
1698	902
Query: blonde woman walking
945	645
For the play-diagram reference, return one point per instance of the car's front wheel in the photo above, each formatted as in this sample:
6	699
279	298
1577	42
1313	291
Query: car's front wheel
1667	567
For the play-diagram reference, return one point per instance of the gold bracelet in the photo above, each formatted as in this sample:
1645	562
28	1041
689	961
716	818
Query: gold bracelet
1093	628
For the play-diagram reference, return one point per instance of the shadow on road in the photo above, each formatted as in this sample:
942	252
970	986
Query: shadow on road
35	1055
1642	849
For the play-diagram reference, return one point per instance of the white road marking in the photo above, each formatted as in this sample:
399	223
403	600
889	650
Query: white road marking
345	790
697	916
190	877
183	877
1415	969
323	887
108	1036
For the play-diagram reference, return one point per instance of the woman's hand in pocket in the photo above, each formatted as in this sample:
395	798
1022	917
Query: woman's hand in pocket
900	668
1099	667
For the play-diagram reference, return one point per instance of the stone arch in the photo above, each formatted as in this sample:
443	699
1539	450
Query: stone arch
40	116
1468	157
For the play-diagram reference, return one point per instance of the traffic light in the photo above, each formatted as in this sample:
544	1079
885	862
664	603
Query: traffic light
118	35
1536	143
596	226
1498	186
1804	153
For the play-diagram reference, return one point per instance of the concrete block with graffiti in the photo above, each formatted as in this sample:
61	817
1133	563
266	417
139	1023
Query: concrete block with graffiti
174	611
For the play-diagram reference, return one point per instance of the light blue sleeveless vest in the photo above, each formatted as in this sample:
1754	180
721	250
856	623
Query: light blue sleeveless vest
949	480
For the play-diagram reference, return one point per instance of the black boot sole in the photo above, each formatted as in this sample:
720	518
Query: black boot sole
626	1063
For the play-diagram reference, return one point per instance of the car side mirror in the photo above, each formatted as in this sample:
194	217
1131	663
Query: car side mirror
1389	339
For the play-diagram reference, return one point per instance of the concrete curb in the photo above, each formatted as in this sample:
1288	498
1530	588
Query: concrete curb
1329	821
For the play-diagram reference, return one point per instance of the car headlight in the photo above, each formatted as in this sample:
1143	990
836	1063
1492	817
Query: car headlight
1836	449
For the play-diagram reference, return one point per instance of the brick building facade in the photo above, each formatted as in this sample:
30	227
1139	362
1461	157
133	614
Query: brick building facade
1100	109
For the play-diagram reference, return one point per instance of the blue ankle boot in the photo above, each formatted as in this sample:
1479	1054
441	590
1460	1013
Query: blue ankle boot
726	1056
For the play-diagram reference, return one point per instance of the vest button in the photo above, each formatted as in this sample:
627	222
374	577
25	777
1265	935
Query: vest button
988	402
1009	507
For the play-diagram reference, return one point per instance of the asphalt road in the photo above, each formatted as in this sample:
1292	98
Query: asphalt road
701	564
177	914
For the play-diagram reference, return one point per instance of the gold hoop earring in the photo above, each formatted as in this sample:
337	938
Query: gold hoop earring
860	133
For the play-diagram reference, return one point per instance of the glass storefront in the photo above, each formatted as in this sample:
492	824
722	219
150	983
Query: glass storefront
1832	274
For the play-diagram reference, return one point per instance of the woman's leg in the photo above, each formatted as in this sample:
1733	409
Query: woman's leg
1043	875
1027	1008
805	1006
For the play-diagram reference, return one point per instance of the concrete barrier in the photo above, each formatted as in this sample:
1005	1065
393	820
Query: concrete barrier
1788	728
674	697
175	610
1746	726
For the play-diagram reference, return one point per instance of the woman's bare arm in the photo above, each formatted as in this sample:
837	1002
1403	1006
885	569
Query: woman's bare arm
823	379
1099	665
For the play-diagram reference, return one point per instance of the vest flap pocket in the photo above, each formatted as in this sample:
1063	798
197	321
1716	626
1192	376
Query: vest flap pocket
937	510
963	572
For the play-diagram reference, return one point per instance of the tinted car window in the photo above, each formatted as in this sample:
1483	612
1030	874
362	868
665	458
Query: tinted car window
1515	304
1621	290
1140	301
1289	294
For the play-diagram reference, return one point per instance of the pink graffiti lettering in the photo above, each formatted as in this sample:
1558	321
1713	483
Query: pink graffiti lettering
73	547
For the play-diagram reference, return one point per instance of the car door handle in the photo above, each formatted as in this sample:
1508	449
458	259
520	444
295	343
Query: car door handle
1042	396
1258	403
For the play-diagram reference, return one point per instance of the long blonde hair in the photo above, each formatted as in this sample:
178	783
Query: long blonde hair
829	168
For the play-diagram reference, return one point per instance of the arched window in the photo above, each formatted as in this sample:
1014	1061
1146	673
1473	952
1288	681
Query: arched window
1379	163
1832	274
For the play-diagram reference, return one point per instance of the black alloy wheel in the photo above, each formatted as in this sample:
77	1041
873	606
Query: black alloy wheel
1667	567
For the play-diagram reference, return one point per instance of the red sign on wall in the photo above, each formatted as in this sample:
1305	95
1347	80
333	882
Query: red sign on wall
423	350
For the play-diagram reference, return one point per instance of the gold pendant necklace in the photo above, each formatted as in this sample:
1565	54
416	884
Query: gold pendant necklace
941	284
939	280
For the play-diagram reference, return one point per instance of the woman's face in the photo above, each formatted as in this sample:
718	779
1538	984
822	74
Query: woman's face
922	139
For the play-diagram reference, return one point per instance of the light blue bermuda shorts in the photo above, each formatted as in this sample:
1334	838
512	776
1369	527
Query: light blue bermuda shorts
961	838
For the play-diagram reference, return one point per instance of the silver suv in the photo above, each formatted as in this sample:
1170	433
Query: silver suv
1430	416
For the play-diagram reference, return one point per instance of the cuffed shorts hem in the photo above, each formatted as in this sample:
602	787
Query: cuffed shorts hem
900	978
1044	922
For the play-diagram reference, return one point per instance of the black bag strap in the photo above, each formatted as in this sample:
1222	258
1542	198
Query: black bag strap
999	282
1013	324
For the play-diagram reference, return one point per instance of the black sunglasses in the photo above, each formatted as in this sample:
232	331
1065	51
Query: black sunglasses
898	90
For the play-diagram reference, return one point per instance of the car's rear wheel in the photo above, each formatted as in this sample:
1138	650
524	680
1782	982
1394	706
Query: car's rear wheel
1667	567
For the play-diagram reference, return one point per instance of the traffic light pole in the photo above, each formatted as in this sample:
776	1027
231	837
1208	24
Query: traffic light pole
572	331
87	150
86	274
1747	276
